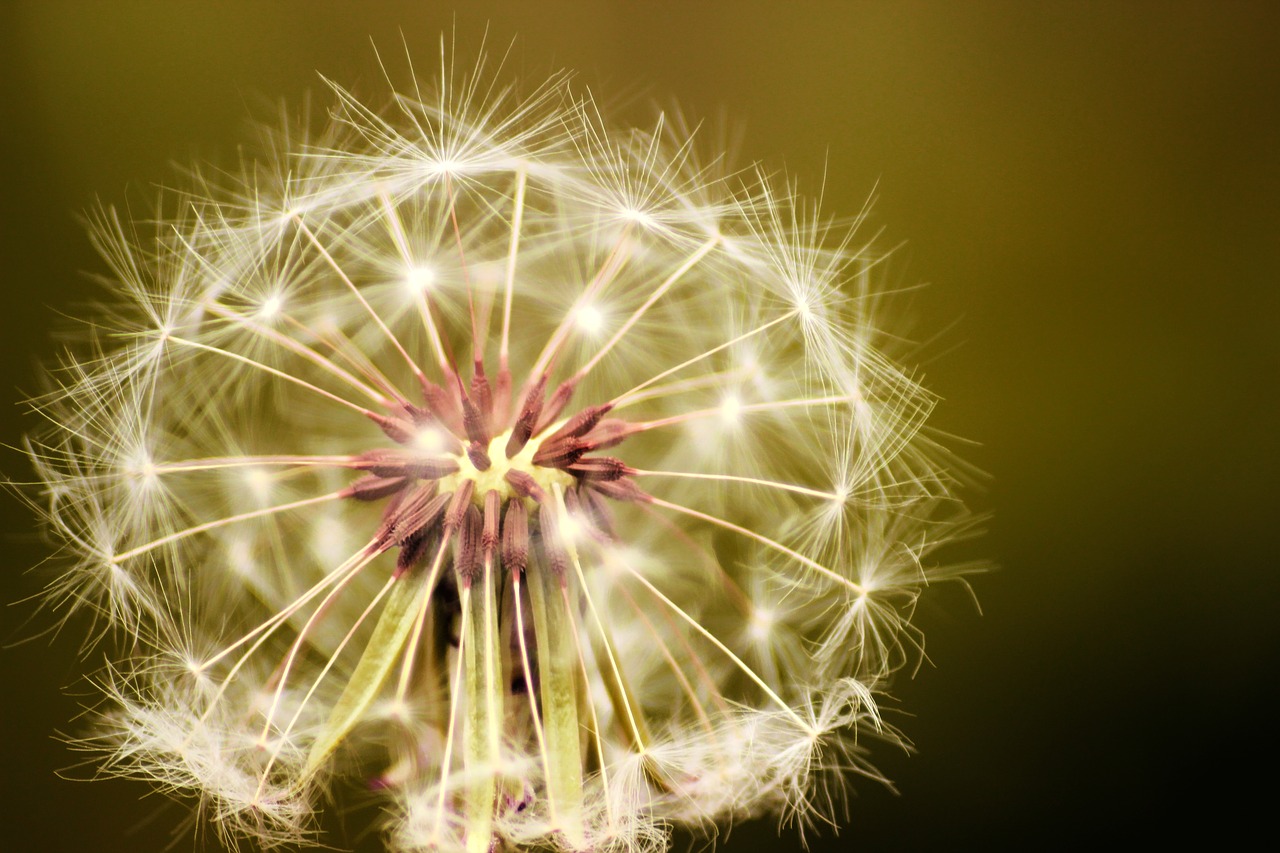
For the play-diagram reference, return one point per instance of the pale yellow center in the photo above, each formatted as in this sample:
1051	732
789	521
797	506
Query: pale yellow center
495	478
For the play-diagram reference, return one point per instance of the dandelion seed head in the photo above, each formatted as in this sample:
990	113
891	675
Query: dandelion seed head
549	482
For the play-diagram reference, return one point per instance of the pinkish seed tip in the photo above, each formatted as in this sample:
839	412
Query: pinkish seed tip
489	537
525	486
399	431
479	458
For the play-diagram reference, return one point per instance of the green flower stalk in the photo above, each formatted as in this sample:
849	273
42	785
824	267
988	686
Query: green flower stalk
545	480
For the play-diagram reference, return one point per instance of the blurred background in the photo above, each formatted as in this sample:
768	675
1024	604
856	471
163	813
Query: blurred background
1091	192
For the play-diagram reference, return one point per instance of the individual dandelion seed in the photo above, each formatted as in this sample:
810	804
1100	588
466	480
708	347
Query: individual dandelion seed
544	481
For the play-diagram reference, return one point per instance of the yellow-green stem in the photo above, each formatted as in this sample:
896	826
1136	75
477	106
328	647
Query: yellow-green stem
557	662
482	754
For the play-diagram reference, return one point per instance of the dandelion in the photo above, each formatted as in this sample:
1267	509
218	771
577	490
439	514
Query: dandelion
546	482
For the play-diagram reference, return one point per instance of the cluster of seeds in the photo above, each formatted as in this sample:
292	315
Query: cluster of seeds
544	480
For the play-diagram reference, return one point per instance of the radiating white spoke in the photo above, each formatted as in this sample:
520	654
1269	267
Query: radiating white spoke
477	340
529	688
737	597
223	522
289	377
215	463
324	672
689	263
341	575
634	716
406	667
718	379
764	540
454	693
290	659
658	377
283	615
400	238
729	478
715	641
517	220
613	263
670	659
298	348
740	408
572	619
341	345
373	315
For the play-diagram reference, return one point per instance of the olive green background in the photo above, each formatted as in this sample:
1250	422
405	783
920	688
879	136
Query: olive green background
1091	192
